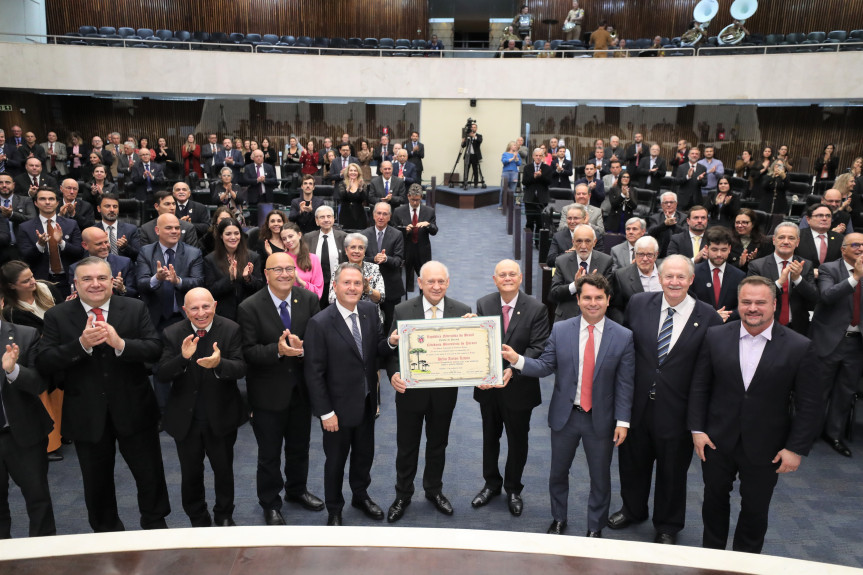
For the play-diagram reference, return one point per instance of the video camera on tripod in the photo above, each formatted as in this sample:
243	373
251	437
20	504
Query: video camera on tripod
467	127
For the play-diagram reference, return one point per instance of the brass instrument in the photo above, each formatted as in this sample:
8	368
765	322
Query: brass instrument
735	32
704	12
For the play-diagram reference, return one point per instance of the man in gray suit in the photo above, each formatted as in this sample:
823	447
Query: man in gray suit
55	155
329	245
623	253
17	210
208	153
166	204
640	276
582	196
573	265
386	188
592	398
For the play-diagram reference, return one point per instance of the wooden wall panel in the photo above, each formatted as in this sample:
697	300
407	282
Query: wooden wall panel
332	18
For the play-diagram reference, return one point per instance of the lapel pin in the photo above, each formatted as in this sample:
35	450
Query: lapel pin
518	313
696	324
708	284
295	301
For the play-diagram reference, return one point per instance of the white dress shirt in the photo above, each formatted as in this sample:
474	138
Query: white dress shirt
682	313
331	247
751	349
346	316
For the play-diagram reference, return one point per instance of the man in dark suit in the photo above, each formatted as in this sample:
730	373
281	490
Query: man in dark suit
15	210
24	429
592	398
595	186
835	332
561	170
535	180
32	179
690	242
50	243
386	188
30	149
342	161
274	322
415	406
191	211
667	222
416	153
328	244
819	244
794	278
633	154
571	266
715	279
472	143
418	223
642	275
97	146
95	242
203	358
668	329
383	152
600	162
304	207
342	346
404	169
7	155
651	169
228	157
387	249
525	329
73	207
739	407
126	241
164	203
108	342
208	153
690	177
147	177
260	177
126	160
571	216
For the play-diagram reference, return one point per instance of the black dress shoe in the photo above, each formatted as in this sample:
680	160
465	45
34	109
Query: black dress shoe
556	527
483	497
202	521
397	509
307	500
516	505
369	507
665	538
334	519
441	502
618	520
597	534
226	522
837	445
55	456
274	517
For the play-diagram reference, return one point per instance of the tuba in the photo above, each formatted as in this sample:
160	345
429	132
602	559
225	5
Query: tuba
735	32
703	14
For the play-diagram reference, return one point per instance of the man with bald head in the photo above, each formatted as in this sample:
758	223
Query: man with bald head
260	177
403	169
148	176
584	259
55	155
203	359
33	178
189	210
73	207
841	220
95	242
386	188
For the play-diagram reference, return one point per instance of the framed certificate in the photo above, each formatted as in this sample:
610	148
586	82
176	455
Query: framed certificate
450	352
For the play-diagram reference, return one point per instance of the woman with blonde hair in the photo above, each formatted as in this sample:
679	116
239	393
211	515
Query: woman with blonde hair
351	194
509	177
773	185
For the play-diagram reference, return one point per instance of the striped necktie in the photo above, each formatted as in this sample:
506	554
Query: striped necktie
665	336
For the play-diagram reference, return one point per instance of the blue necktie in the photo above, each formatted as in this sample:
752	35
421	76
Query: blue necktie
7	203
584	266
149	181
358	338
664	342
285	314
387	188
168	297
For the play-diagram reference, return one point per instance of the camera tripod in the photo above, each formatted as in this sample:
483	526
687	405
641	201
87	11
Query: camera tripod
467	158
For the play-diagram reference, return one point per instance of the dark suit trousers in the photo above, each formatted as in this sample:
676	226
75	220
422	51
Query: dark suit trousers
756	489
841	371
290	427
413	263
533	216
219	449
409	428
496	416
472	164
672	456
598	451
28	468
359	443
143	455
388	307
162	389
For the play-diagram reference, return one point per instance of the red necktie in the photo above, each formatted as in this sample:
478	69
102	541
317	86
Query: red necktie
822	250
202	333
35	182
415	231
401	170
855	317
506	309
97	311
785	312
587	372
717	287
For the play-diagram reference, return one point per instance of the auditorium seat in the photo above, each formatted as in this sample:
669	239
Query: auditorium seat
853	45
539	45
305	40
738	184
200	36
794	38
145	33
183	35
370	43
774	39
555	45
337	46
387	44
271	39
799	177
646	199
219	38
856	34
85	30
401	45
356	46
287	40
840	35
163	34
801	189
817	37
822	185
107	30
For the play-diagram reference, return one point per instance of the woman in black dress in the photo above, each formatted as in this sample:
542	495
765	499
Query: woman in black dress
231	272
351	195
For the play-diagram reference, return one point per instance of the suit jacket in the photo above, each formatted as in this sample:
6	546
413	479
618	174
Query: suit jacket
567	266
415	157
402	218
527	334
197	392
391	269
613	377
681	243
409	173
625	283
803	296
442	398
106	385
39	261
603	166
397	188
597	195
133	240
632	159
338	165
620	255
123	168
312	239
28	420
689	189
561	241
477	143
139	183
561	179
208	156
198	214
250	179
758	417
536	189
13	168
59	157
643	171
23	152
702	287
656	227
219	161
23	209
808	250
84	213
270	379
188	264
230	293
119	264
339	379
24	181
834	310
673	378
306	220
379	156
147	233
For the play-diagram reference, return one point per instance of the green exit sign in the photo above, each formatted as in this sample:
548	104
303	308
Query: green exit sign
5	108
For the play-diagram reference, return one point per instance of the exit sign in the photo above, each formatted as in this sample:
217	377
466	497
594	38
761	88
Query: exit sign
5	108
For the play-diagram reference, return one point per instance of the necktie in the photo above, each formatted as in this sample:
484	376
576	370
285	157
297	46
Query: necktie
355	331
285	314
434	311
325	264
415	231
401	170
855	316
202	333
97	312
664	342
387	188
631	255
822	251
112	239
696	245
583	266
7	203
51	153
35	181
506	309
149	180
785	312
717	287
587	372
380	241
167	288
263	190
53	250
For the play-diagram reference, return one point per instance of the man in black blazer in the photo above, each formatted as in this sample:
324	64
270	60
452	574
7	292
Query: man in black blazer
403	169
7	156
561	170
260	177
24	429
418	223
32	179
208	153
415	406
667	222
811	240
203	359
716	280
642	275
304	207
796	292
524	327
108	343
472	143
342	346
571	266
228	157
835	331
383	152
668	330
535	181
329	239
342	161
634	153
685	242
651	169
127	242
274	323
14	210
571	216
739	408
387	249
191	211
148	177
73	207
95	242
416	153
690	177
387	188
164	203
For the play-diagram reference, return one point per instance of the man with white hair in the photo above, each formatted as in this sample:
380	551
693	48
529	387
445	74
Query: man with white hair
623	253
328	244
571	266
642	275
667	222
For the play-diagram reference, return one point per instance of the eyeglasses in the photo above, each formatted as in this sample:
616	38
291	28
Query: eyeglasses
822	215
854	246
279	271
645	255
